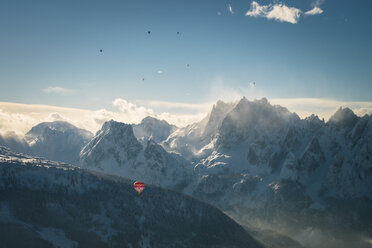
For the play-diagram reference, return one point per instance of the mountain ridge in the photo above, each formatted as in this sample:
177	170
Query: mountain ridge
88	209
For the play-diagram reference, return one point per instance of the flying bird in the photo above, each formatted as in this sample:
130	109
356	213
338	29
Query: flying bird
100	50
178	32
148	32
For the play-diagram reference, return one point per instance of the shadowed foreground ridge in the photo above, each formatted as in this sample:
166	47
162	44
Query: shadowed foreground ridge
49	204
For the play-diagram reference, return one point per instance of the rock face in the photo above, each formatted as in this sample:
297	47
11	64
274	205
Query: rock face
115	150
50	204
194	140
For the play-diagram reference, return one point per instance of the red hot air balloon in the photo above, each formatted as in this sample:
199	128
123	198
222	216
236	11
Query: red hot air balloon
139	186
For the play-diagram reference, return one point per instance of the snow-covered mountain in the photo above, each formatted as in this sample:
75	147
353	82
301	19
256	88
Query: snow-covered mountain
154	129
115	150
59	141
260	163
197	139
51	204
266	165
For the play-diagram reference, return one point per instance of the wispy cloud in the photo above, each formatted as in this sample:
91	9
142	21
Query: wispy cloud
160	72
315	11
181	105
230	9
58	90
279	12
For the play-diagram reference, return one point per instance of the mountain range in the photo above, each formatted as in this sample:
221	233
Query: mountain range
261	164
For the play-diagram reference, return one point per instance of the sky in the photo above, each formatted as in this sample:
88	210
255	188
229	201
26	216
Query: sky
311	56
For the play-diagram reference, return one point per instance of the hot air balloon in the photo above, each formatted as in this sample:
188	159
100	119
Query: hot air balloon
139	187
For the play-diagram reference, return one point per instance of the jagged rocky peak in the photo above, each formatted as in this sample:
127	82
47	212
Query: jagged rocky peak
314	119
115	150
248	116
216	116
152	128
150	121
115	133
343	118
114	140
114	126
258	110
221	108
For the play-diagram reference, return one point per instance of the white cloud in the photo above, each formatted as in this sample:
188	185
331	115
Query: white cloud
258	10
218	13
58	90
315	11
131	112
160	72
230	9
279	12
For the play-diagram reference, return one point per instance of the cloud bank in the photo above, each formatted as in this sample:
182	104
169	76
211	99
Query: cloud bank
20	118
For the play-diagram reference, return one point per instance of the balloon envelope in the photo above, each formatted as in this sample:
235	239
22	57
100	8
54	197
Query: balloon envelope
139	186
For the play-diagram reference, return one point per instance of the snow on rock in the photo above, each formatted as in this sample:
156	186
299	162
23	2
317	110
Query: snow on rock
154	129
59	141
115	150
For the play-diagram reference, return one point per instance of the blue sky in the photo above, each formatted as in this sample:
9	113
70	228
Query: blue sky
49	51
